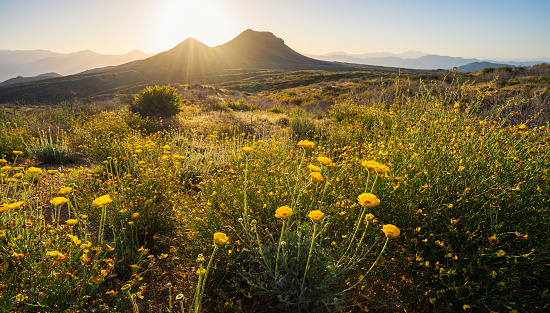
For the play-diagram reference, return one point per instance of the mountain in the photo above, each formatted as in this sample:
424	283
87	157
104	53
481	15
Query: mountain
478	66
21	79
250	54
35	62
413	60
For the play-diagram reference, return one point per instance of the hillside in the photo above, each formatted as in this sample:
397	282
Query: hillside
250	54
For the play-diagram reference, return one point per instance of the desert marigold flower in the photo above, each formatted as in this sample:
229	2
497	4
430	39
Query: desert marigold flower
368	200
324	160
201	271
71	222
17	152
138	151
381	168
522	127
18	176
131	223
247	150
52	172
220	239
370	165
306	144
369	217
102	201
135	215
283	212
13	206
65	191
34	170
5	168
314	168
57	201
316	177
2	161
316	216
18	168
391	231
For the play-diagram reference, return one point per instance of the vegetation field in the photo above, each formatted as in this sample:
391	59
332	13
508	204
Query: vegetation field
302	192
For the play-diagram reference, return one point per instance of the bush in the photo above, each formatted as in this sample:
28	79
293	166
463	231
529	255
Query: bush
157	101
48	149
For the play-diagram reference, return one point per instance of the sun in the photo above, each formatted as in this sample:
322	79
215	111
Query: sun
208	21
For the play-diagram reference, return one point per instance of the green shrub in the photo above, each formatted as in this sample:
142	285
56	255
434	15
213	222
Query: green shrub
157	101
302	126
48	149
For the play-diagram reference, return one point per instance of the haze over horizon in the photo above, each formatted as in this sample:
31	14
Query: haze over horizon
489	29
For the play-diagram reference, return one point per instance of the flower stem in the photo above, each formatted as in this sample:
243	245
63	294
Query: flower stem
308	260
278	251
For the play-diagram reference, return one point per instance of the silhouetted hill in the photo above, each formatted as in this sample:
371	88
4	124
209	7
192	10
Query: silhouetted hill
251	54
21	79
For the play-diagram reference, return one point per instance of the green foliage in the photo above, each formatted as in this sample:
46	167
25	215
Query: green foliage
302	126
48	149
157	101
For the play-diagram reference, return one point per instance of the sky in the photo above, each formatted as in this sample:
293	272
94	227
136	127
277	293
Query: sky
495	29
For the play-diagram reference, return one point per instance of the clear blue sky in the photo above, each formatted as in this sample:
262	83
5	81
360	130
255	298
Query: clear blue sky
481	28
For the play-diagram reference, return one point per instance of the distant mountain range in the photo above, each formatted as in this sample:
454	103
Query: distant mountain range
260	55
30	63
419	60
21	79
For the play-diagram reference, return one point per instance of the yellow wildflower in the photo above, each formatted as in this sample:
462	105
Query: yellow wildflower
102	201
57	201
316	177
391	231
247	150
220	239
135	215
52	172
201	271
71	222
316	216
324	161
369	217
370	165
65	191
17	152
306	144
34	170
283	212
368	200
314	168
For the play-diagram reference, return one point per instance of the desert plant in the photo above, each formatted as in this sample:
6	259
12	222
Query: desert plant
157	101
48	149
